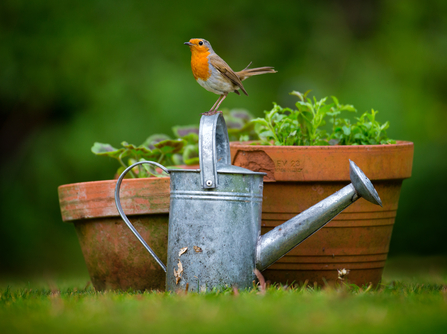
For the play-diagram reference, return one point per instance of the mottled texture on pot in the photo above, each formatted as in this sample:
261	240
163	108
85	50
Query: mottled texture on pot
115	259
299	177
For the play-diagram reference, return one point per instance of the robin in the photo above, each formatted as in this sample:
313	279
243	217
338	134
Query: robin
214	74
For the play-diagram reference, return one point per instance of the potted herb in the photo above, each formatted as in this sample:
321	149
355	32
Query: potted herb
115	259
305	153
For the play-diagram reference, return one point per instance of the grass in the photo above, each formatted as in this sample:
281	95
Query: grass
414	303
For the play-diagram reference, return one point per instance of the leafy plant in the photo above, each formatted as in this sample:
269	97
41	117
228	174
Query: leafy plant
239	125
307	125
182	150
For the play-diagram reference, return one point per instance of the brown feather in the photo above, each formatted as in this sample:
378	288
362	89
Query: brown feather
249	72
220	65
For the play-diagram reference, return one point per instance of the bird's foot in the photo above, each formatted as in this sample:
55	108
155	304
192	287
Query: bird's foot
211	113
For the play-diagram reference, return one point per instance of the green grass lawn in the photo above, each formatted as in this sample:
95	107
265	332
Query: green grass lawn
412	299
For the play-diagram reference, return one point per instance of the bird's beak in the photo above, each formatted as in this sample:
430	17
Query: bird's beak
188	43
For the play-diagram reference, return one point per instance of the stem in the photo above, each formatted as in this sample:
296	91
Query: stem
124	165
272	129
333	126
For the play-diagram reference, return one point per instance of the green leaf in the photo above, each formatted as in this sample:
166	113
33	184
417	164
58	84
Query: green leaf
261	121
191	155
170	146
107	150
348	107
239	114
266	134
333	113
244	138
346	130
150	170
191	138
154	139
183	131
177	159
335	100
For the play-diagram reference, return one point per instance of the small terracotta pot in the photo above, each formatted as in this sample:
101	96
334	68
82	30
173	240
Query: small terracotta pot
300	176
114	257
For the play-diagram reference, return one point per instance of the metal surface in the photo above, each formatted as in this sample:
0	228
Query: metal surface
123	215
363	185
215	218
214	149
216	214
276	243
222	224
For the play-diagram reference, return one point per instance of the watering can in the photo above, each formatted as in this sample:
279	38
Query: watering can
214	237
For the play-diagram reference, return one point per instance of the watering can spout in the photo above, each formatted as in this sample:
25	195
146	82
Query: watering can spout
277	242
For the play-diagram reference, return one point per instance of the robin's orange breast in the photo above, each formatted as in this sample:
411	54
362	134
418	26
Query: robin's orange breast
199	65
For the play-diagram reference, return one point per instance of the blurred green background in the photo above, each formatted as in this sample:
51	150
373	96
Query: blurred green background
76	72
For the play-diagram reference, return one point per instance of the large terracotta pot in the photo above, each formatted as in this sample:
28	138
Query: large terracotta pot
115	259
300	176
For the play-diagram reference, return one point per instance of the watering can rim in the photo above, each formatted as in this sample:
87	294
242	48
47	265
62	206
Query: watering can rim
222	169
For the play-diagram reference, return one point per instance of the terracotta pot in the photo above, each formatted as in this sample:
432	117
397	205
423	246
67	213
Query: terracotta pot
115	259
300	176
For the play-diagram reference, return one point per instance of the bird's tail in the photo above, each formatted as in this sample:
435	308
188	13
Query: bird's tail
249	72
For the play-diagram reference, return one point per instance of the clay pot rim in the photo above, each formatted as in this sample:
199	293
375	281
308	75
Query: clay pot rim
96	199
305	163
106	182
399	143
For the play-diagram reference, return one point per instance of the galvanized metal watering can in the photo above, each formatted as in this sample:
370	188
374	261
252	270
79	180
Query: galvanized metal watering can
214	234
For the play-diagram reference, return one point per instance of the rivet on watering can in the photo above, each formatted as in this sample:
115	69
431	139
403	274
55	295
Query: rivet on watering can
209	183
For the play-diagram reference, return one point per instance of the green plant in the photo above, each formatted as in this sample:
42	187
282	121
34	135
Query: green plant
239	124
182	150
307	125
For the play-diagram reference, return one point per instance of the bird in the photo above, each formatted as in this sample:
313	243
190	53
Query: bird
215	75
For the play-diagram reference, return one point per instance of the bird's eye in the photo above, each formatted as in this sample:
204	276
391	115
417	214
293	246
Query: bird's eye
201	43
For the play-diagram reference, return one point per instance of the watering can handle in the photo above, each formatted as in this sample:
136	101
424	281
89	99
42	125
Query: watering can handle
124	217
214	148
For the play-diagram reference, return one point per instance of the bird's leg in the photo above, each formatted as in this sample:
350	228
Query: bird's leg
223	98
213	109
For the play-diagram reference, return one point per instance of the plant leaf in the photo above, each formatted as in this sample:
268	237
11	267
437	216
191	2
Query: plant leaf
170	146
191	155
107	150
183	131
154	139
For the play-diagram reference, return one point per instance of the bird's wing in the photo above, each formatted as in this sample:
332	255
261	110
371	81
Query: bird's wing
220	65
